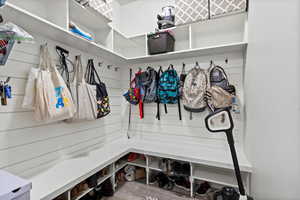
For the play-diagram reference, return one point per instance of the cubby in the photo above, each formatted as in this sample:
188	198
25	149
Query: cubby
55	13
223	177
91	21
129	47
218	32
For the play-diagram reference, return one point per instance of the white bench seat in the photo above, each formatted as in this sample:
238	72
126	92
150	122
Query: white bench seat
66	174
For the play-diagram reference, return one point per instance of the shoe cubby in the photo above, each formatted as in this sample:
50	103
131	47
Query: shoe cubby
218	32
120	179
217	176
63	196
138	160
56	13
121	163
202	192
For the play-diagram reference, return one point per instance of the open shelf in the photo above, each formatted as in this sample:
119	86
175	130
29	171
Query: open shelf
93	22
231	47
87	16
35	24
138	163
218	32
53	12
216	175
129	47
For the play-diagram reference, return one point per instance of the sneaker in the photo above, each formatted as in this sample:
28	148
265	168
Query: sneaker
204	188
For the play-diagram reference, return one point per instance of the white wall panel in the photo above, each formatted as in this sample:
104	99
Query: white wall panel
27	146
186	132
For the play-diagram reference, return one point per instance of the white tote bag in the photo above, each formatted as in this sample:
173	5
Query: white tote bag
53	98
82	93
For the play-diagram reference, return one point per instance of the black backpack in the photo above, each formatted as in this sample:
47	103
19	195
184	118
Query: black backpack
102	95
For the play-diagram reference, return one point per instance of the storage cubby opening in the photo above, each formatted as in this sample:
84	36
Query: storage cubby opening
138	160
92	22
182	37
121	163
120	179
63	196
88	185
225	177
200	186
129	47
217	32
55	13
180	185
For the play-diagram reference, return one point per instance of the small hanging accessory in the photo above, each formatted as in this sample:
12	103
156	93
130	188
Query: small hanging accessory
5	91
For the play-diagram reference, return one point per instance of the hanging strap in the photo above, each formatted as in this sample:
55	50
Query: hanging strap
158	101
179	108
129	114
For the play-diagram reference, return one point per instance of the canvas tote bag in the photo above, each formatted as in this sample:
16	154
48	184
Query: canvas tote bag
53	98
84	94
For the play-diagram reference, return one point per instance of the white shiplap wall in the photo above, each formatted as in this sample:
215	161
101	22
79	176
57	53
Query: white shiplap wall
186	133
27	146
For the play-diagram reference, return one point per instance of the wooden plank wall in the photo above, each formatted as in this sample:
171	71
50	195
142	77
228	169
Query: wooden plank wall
28	146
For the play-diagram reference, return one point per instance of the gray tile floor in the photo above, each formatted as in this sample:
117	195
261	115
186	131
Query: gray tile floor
138	191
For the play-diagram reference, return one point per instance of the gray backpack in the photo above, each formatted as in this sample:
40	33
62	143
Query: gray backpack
194	90
149	85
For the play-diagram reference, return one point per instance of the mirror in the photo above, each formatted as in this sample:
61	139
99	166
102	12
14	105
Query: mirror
219	121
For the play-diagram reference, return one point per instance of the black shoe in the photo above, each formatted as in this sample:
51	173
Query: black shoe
204	188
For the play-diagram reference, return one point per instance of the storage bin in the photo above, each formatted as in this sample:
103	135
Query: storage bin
225	7
160	42
13	187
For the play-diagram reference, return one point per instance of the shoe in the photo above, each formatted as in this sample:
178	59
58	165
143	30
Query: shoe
107	189
204	188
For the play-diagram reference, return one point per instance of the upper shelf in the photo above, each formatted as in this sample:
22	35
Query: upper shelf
88	16
35	24
232	47
191	41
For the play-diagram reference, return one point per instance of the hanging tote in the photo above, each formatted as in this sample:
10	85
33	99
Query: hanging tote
53	99
84	94
91	74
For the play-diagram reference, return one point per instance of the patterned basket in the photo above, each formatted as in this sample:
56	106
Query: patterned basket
225	7
103	6
188	11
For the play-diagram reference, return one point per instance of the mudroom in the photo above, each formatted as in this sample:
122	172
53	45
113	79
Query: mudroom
149	100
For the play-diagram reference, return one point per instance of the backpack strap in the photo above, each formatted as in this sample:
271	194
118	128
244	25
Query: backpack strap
160	71
179	108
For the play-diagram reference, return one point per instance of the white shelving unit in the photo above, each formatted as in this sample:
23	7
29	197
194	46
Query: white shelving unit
214	36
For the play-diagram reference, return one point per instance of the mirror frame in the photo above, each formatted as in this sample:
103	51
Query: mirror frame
216	112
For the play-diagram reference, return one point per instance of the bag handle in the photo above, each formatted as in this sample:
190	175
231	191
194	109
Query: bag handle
79	69
45	59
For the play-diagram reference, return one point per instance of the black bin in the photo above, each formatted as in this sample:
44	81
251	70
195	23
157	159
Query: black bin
160	42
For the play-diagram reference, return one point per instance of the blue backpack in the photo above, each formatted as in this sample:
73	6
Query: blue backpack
168	89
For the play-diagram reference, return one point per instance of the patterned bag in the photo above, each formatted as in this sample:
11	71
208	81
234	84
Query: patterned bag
132	95
168	89
194	89
101	93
